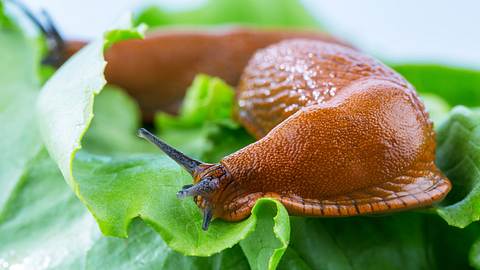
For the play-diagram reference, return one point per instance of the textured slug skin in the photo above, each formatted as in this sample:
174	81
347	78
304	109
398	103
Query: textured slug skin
339	133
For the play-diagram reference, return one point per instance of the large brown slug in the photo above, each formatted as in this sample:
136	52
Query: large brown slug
340	134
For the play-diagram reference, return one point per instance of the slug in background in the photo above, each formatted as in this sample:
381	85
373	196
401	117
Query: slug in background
339	134
158	80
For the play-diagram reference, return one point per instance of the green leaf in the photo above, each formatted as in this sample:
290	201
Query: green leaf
292	261
392	242
437	107
5	20
117	118
20	140
208	99
145	186
3	17
475	254
458	156
65	106
272	13
44	224
449	246
30	227
123	32
457	86
204	129
265	246
146	250
396	241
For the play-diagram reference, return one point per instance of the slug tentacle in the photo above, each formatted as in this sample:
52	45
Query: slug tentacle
55	43
202	188
210	180
207	218
189	164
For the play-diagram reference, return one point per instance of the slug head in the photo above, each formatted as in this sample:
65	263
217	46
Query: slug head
210	180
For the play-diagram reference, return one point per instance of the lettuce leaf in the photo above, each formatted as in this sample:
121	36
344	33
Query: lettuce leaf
64	122
268	13
117	117
456	86
362	243
44	224
31	232
459	157
437	108
20	141
146	250
400	241
204	128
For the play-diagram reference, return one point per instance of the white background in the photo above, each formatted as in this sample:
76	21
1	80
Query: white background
440	31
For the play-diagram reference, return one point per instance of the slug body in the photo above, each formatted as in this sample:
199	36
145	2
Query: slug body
339	134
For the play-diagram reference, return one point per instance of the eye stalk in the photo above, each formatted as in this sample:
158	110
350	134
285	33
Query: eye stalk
189	164
55	43
209	179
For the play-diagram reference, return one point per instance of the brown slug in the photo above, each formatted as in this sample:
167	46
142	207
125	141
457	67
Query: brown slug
158	69
339	134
